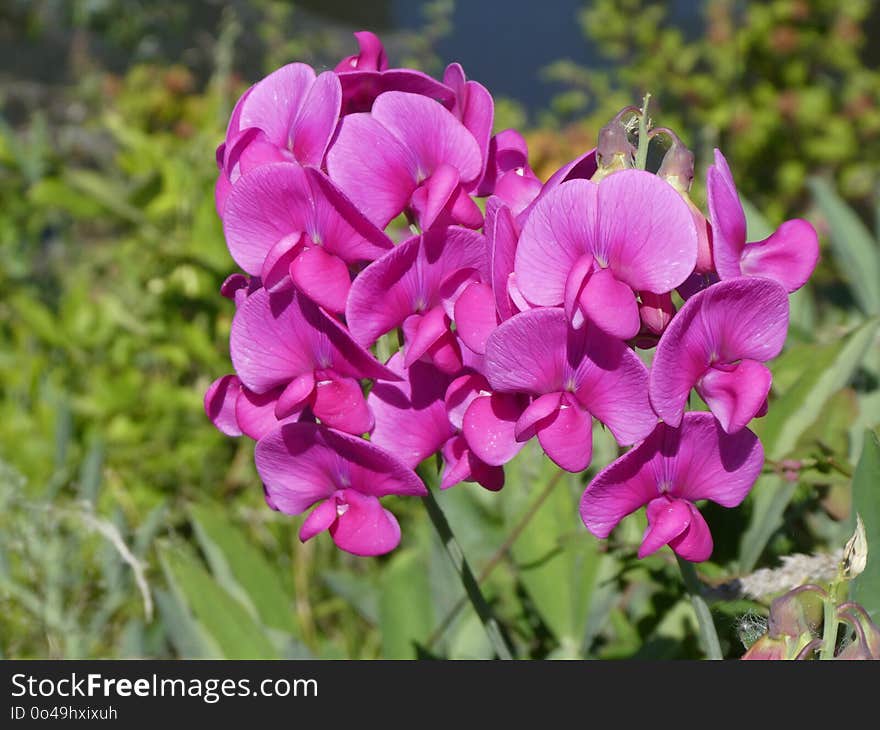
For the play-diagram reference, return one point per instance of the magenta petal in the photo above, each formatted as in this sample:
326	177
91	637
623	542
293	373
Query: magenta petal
295	395
475	316
274	101
788	255
574	285
667	519
743	318
219	402
645	233
364	151
319	520
340	404
364	527
527	352
501	234
489	427
461	393
567	436
411	418
408	280
361	88
559	230
274	274
316	120
302	463
422	332
611	305
322	277
486	475
735	393
535	413
255	412
430	132
371	56
695	543
727	217
429	200
456	465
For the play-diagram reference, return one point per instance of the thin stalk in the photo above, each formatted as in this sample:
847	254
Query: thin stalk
830	622
642	150
708	635
460	563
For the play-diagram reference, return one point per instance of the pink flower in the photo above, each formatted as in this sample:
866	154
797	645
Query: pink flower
590	247
788	255
302	464
573	375
284	220
410	154
717	344
283	340
667	473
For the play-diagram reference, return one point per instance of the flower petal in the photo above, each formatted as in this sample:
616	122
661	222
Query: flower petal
316	119
567	436
340	404
322	277
365	528
489	426
273	102
735	393
220	399
667	520
318	520
527	352
727	217
695	543
610	304
788	255
255	412
475	316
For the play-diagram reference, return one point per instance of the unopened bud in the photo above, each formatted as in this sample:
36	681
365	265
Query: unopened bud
866	644
677	167
614	151
855	553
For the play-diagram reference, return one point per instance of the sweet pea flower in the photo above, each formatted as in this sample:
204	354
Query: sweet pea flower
283	340
303	464
366	75
717	343
235	411
574	375
283	220
508	173
416	156
589	247
788	255
473	106
291	114
414	287
667	473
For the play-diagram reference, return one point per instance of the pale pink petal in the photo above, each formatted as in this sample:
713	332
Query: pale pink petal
220	399
567	436
735	393
560	229
788	255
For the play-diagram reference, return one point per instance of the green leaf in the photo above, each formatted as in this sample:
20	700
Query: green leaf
828	369
405	613
854	248
187	637
770	496
242	570
357	590
218	614
866	502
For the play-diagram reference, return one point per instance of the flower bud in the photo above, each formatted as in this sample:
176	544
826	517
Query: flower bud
614	151
855	553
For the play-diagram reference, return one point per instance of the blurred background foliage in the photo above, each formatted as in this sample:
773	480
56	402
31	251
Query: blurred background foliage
129	527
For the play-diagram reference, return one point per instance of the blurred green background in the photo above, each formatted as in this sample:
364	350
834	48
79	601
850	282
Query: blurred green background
129	527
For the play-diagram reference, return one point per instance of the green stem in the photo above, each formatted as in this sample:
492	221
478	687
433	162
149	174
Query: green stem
708	635
830	622
459	562
642	150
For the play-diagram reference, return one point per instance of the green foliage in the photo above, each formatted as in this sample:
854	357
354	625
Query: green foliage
866	587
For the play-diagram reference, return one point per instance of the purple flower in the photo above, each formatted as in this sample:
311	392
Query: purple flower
590	247
302	464
289	115
788	255
282	219
408	154
283	340
717	343
235	410
667	473
574	375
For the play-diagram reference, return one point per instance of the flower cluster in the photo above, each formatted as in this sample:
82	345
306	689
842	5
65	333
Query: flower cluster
373	211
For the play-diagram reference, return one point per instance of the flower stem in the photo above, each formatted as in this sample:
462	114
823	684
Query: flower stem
708	635
642	150
830	622
459	562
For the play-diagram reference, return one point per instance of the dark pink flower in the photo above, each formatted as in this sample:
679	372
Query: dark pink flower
282	219
408	154
291	114
590	247
508	173
717	343
667	473
283	340
414	287
573	375
302	464
235	410
788	255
